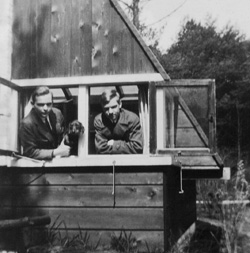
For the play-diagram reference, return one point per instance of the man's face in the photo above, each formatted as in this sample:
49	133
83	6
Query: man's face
43	105
112	110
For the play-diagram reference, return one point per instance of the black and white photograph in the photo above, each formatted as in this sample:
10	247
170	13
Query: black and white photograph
124	126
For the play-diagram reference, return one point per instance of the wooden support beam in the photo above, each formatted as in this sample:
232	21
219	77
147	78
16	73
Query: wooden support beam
212	116
152	118
160	124
100	161
9	84
97	80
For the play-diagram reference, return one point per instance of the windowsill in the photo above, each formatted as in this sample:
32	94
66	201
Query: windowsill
92	161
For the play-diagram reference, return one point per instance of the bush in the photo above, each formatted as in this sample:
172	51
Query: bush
225	202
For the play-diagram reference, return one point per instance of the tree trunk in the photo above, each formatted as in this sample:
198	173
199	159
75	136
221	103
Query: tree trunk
136	10
238	131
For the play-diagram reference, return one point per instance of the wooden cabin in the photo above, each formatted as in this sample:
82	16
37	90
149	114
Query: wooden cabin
78	48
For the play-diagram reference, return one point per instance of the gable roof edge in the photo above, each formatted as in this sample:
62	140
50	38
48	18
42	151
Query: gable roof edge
138	37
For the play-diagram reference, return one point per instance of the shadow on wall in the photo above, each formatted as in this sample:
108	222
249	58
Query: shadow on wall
31	58
20	195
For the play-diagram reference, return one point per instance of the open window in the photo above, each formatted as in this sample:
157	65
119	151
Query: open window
9	116
187	112
134	99
64	98
15	104
174	115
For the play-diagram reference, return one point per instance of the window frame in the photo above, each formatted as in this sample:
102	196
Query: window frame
142	106
175	100
84	83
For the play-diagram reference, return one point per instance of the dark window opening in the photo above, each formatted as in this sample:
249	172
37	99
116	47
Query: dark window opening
129	98
66	99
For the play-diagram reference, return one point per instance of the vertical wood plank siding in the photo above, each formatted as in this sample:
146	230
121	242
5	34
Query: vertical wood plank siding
60	36
44	52
32	5
21	40
85	43
55	38
6	43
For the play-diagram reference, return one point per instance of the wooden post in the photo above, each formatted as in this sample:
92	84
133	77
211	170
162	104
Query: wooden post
212	116
152	118
83	114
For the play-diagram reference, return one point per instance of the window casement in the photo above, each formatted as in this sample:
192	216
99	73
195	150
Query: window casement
186	115
79	99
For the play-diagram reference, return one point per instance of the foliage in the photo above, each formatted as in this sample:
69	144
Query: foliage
133	9
201	52
56	242
151	36
59	242
124	242
225	202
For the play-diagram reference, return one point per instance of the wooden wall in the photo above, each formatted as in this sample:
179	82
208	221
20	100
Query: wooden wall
6	38
55	38
85	200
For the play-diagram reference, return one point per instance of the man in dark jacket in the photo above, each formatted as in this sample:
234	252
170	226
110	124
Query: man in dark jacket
41	131
117	131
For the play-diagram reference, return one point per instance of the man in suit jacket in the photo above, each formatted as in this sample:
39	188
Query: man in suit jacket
117	131
41	131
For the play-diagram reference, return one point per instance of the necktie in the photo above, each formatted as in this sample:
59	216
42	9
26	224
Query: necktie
48	124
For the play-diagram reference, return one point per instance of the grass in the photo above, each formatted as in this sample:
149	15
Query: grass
55	241
125	242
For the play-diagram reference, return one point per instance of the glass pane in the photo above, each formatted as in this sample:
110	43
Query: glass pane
186	114
197	99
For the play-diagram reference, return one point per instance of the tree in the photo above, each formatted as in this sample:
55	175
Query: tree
134	8
202	52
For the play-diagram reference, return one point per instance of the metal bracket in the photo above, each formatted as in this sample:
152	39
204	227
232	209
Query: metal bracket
178	163
181	191
113	191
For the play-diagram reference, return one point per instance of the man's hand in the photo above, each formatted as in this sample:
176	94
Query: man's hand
110	142
62	151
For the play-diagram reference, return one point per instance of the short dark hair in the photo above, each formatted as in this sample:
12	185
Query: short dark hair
107	95
40	91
